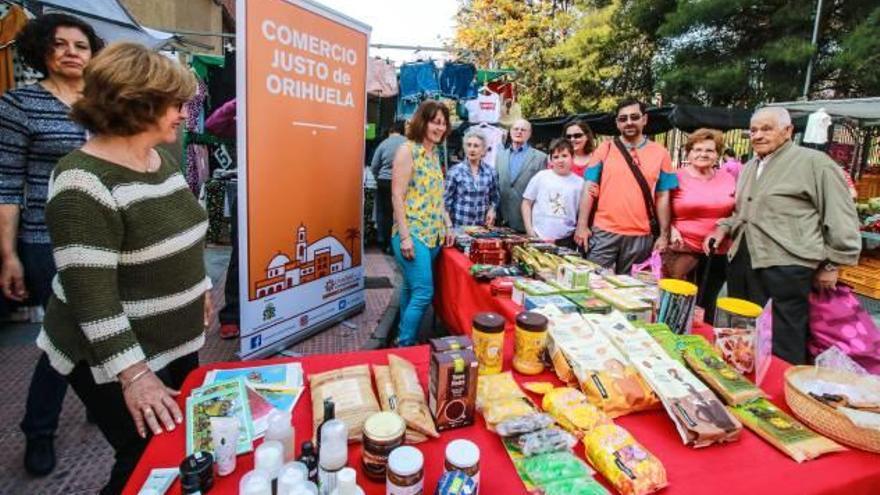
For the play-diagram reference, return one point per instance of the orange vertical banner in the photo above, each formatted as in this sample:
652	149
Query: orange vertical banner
301	113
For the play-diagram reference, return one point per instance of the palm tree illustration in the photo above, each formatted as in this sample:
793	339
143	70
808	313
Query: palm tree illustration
352	234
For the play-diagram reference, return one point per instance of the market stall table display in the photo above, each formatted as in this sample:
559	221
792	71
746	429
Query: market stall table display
747	466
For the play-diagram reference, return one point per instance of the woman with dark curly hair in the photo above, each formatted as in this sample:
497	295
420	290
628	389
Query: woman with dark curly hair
126	318
35	131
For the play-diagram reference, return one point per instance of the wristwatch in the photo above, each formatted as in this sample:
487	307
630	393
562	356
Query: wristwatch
829	266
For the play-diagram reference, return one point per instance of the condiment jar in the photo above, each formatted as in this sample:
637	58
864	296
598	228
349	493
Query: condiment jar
488	337
463	455
383	432
405	474
530	340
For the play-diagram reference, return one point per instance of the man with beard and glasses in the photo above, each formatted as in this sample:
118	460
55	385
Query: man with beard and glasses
634	176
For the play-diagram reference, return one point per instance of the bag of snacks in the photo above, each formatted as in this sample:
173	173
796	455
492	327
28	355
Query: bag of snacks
783	431
605	375
545	441
547	468
524	424
628	466
576	486
720	376
700	418
664	336
499	398
351	391
411	404
572	410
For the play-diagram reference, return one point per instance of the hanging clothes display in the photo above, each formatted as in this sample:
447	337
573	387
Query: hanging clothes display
817	127
197	169
418	82
486	107
457	80
506	89
381	77
494	141
11	23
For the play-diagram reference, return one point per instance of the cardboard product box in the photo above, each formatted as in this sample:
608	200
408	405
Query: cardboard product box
489	257
588	303
561	302
624	281
451	343
452	388
572	276
524	287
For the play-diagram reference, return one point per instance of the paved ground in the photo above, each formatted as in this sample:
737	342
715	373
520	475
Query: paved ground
84	458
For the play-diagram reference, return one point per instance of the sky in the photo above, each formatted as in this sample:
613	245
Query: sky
402	22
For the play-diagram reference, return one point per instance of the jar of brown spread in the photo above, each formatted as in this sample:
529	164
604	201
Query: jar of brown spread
406	472
464	455
383	432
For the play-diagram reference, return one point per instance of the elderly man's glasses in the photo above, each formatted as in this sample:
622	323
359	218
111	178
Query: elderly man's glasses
633	117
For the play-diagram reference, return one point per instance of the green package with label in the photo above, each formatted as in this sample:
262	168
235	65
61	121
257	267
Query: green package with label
783	431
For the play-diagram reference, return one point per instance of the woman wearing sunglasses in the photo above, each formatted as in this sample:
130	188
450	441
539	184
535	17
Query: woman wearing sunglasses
579	134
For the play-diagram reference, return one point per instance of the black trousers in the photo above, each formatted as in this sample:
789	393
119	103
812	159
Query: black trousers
716	265
106	404
48	387
384	212
230	312
789	288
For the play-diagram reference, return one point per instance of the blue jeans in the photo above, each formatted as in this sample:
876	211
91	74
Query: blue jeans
48	387
417	289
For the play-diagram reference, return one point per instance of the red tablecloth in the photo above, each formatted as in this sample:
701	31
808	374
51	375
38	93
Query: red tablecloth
749	467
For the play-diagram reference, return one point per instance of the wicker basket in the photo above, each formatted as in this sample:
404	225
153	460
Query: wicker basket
823	418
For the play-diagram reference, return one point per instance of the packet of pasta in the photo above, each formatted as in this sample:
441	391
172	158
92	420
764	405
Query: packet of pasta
571	409
411	404
628	466
783	431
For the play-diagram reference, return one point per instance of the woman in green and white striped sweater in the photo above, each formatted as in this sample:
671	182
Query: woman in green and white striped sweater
126	320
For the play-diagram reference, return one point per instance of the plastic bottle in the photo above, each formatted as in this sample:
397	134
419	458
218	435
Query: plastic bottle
289	479
309	457
255	483
333	455
347	483
329	414
280	429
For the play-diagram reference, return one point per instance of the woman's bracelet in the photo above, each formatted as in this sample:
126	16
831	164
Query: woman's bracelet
135	378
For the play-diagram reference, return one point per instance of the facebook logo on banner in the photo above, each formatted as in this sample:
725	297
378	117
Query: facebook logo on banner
342	304
256	340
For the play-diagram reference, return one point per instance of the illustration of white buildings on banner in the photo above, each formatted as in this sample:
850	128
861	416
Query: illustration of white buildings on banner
310	262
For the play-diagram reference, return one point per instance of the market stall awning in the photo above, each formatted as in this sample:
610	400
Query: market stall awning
864	110
110	19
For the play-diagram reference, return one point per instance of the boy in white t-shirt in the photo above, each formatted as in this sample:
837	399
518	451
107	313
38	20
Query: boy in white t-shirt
550	201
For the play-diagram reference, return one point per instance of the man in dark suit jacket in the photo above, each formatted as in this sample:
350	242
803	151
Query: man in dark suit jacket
514	168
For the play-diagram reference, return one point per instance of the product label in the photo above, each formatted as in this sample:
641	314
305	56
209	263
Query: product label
488	348
346	394
416	489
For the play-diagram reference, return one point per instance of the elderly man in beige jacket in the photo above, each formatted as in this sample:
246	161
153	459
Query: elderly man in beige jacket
794	224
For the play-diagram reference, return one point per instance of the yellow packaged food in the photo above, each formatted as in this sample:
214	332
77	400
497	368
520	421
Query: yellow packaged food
628	466
570	408
496	387
539	388
504	409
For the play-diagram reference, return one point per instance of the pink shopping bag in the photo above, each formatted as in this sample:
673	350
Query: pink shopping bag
837	318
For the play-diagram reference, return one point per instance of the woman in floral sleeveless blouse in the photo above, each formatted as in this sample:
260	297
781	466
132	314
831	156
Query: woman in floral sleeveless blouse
419	224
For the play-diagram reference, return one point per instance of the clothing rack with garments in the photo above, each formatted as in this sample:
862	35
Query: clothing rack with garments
13	71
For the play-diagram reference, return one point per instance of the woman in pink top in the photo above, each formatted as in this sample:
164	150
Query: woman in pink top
579	134
704	196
